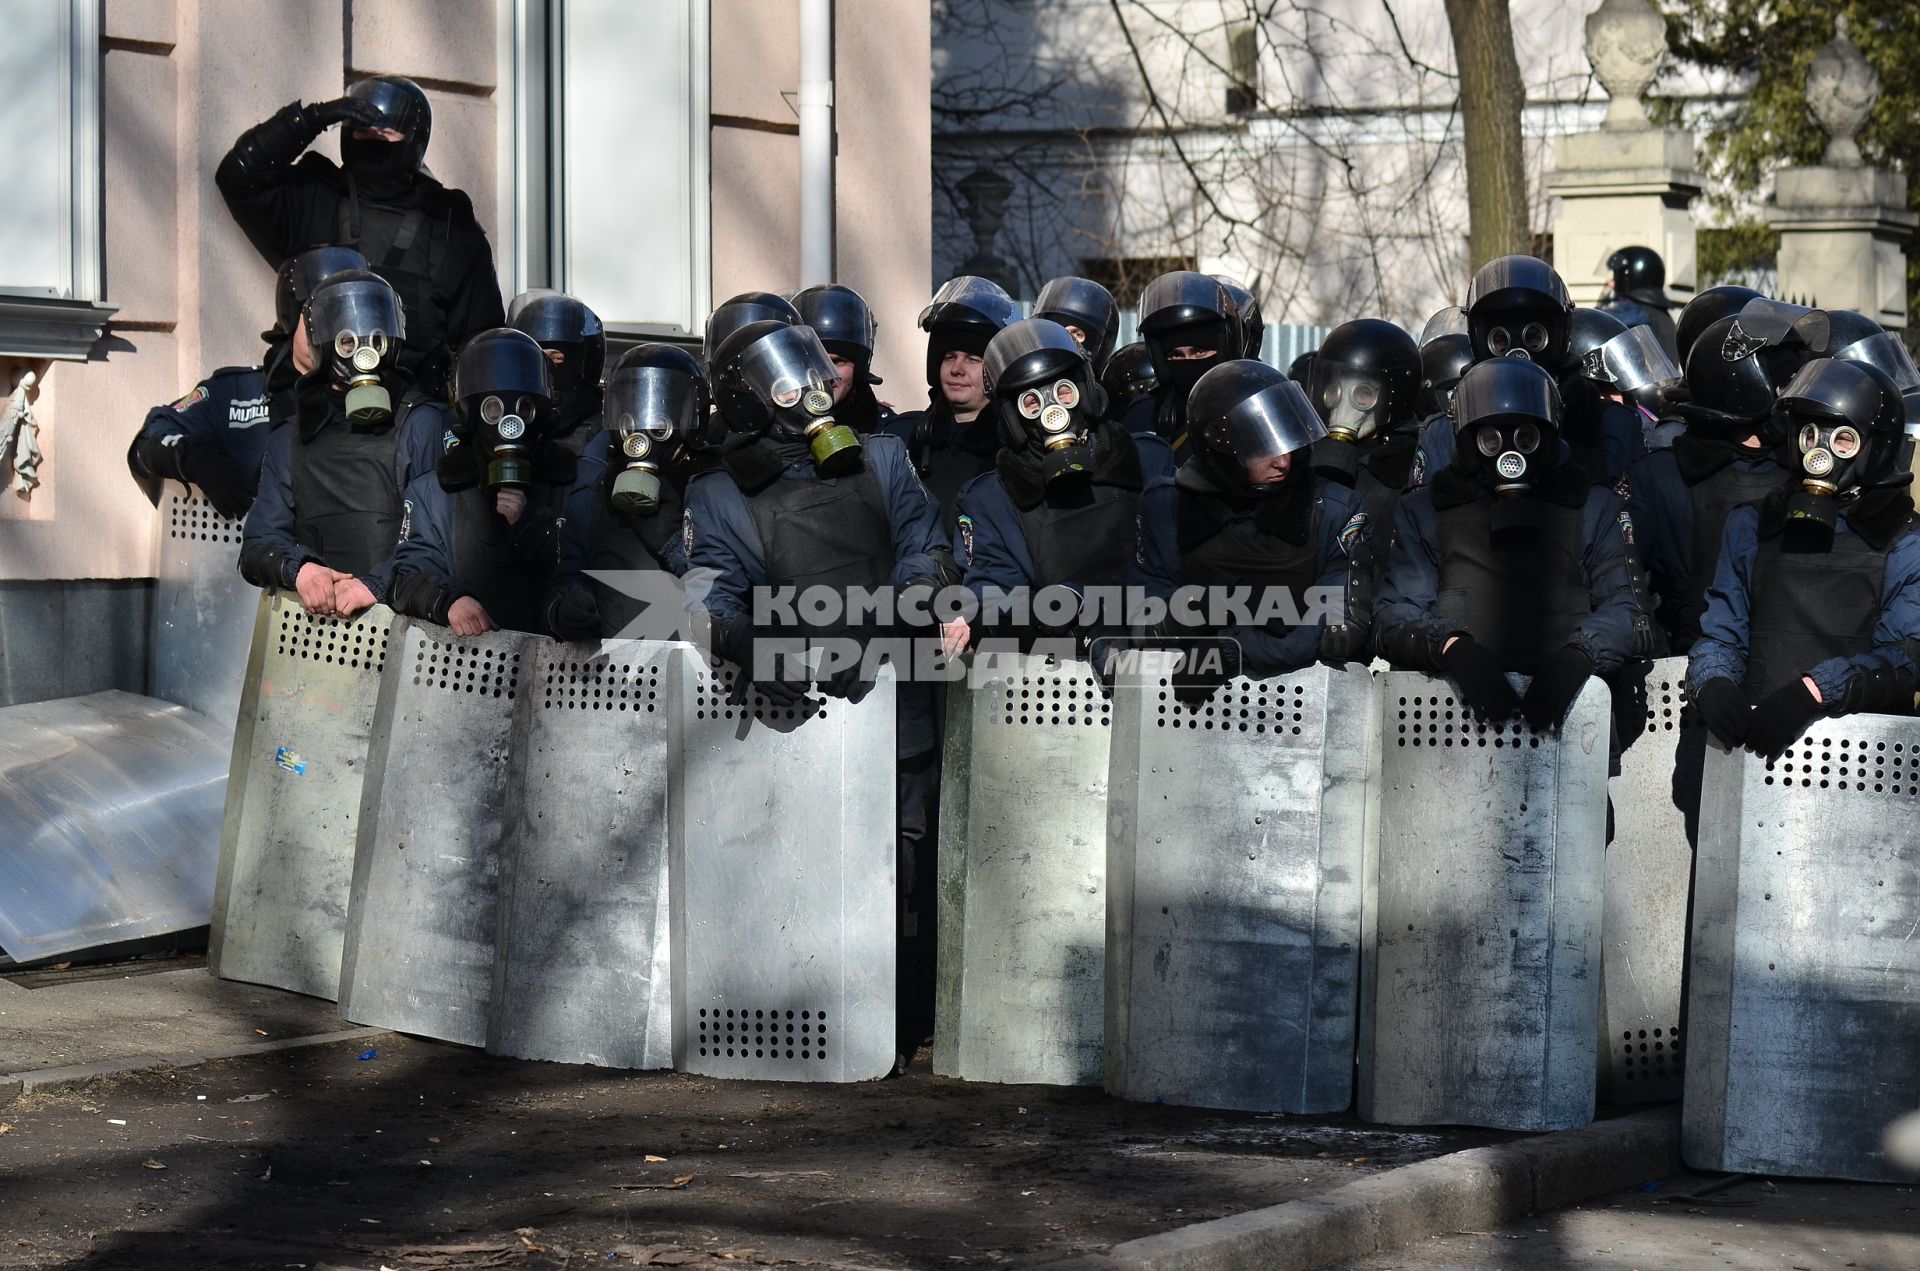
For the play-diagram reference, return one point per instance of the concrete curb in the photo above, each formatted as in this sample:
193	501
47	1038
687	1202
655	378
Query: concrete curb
1462	1191
15	1084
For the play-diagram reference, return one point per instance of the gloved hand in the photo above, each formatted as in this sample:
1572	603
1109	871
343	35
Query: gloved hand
222	480
1205	664
660	526
1779	719
342	110
788	684
1555	684
849	682
573	614
1481	679
1723	708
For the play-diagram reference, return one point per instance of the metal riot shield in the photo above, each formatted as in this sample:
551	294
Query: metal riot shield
781	840
1236	839
203	611
581	967
420	929
1656	802
293	796
1803	1024
1023	874
1480	992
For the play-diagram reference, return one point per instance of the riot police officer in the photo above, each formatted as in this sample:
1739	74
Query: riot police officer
1815	606
1446	351
1636	294
1246	309
1364	382
954	439
1509	559
1705	309
1189	325
842	319
418	234
575	342
1611	387
329	509
1246	513
1126	378
469	558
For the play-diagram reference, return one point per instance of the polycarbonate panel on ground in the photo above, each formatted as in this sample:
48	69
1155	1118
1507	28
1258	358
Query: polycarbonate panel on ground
581	968
1236	844
1481	994
203	611
1023	874
293	797
109	822
1804	1020
420	931
781	830
1656	800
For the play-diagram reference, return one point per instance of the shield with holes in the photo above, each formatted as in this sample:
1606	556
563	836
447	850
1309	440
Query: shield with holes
1023	874
1480	993
781	840
203	611
1803	1022
420	929
581	964
293	797
1236	836
1656	804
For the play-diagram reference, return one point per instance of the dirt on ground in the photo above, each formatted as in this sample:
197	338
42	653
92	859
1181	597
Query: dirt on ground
418	1156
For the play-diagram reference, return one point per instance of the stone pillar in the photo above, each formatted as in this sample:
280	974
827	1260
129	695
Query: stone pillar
1629	183
1842	223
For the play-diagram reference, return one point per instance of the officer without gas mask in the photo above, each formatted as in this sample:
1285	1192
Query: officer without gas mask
331	485
418	234
1636	294
1814	610
954	439
1246	309
844	322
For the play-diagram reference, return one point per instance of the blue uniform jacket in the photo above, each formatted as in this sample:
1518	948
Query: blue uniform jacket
1662	507
1721	650
1410	590
228	411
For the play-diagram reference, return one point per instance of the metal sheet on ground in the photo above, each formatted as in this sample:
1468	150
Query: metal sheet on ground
1023	874
1656	802
203	611
781	833
293	805
1803	1022
1480	998
581	968
110	815
1236	844
419	948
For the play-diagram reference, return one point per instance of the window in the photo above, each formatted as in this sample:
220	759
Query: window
50	245
1243	70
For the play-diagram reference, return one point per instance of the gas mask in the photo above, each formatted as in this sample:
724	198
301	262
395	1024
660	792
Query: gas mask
1041	385
789	372
1506	417
1845	432
504	393
1517	307
355	323
654	402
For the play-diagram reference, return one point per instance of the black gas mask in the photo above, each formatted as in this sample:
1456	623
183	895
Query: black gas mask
788	371
561	324
355	326
1518	307
1844	423
1191	311
1043	391
654	403
1506	419
504	394
1244	416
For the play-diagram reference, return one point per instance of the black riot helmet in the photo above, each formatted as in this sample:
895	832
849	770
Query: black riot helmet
1776	332
1506	420
1253	328
503	392
355	325
1589	329
1184	309
301	273
1639	274
1728	389
1854	337
1082	305
1443	360
1705	309
1364	378
842	319
787	369
1518	307
1451	320
403	107
1242	415
655	408
1843	431
1299	368
1632	362
964	315
561	324
1127	376
724	338
1045	396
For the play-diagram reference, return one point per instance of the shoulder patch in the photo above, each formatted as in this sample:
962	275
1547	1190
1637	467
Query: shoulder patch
1352	532
1418	476
199	394
406	519
966	540
1626	527
686	532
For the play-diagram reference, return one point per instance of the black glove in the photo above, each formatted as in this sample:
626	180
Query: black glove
1481	679
342	110
786	687
662	525
1554	686
1205	664
222	480
1779	719
573	614
1722	707
848	682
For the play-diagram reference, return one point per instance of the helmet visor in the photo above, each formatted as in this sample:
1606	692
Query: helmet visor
970	299
1451	320
1081	301
838	314
1636	359
1499	391
365	310
655	402
1770	321
1277	420
1887	353
782	366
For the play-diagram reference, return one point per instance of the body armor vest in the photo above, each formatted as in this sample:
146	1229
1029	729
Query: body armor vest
1712	500
1522	602
346	493
817	533
1087	541
1806	607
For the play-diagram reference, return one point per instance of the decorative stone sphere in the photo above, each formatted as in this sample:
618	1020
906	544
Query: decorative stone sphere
1625	41
1841	89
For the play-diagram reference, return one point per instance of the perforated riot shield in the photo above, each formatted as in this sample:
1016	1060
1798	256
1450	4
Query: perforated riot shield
420	930
1480	992
1803	1023
581	965
203	611
1236	839
1023	874
1656	802
781	834
293	796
